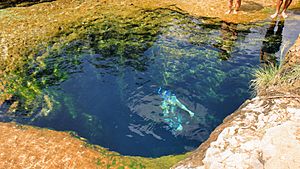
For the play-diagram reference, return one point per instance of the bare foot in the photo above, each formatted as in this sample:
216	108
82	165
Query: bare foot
284	15
235	12
228	12
274	15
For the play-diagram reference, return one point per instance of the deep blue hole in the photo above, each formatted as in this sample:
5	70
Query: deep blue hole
105	85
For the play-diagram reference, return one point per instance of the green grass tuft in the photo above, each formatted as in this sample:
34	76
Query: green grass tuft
274	76
264	77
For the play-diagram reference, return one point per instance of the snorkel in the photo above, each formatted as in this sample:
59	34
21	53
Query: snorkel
166	94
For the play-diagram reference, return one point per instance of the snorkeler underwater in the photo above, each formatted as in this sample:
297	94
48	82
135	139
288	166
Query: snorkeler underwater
169	106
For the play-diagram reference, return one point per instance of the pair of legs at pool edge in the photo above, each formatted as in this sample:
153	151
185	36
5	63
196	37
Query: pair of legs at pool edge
278	5
286	4
236	7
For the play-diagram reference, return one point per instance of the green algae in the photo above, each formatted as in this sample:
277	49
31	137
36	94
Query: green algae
119	36
32	82
124	40
116	160
53	62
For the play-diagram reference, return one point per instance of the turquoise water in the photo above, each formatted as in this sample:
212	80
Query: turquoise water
105	85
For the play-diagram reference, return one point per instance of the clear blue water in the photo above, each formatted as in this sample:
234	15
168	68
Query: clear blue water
104	86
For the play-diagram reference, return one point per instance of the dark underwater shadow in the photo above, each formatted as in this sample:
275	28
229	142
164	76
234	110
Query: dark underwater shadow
20	3
271	43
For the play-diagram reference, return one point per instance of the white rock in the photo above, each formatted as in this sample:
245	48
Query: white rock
233	142
216	165
255	163
237	160
273	118
224	155
250	145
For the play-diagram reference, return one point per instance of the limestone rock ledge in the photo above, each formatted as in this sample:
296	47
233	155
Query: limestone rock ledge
263	133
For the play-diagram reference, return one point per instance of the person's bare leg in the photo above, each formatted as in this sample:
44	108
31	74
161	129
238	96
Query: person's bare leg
285	6
230	2
279	3
237	6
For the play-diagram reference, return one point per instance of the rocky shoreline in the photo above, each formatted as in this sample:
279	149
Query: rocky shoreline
263	133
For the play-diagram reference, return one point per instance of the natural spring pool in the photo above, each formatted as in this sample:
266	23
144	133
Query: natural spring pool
122	83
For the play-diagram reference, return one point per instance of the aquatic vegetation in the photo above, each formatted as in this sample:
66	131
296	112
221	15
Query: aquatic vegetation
121	40
24	93
27	85
116	160
124	40
133	54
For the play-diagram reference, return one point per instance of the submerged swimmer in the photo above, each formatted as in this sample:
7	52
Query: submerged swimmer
169	106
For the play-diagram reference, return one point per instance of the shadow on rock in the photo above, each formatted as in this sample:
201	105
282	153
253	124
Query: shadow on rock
20	3
250	6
